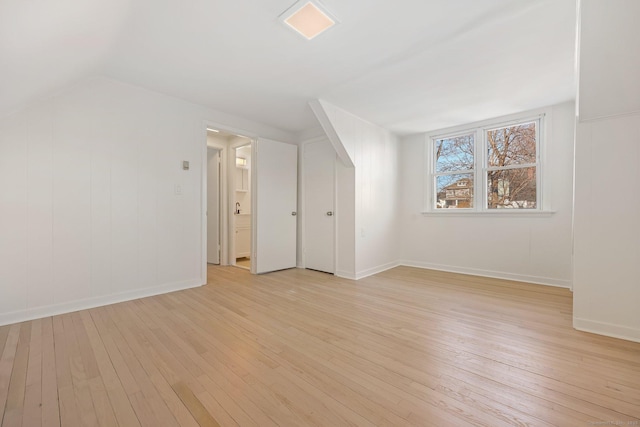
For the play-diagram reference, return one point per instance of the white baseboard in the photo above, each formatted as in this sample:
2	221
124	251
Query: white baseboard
86	303
607	329
375	270
489	273
345	274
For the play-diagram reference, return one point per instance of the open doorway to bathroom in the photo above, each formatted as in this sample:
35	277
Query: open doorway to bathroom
229	194
242	204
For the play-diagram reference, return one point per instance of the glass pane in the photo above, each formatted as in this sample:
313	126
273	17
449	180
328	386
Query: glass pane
454	191
512	189
512	145
454	154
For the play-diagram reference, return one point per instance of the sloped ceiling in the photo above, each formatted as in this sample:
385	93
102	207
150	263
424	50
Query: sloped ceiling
409	65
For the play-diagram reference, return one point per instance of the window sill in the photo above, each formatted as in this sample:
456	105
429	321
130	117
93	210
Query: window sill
501	213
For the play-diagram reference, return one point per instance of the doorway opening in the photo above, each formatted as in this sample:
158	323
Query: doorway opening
228	198
242	204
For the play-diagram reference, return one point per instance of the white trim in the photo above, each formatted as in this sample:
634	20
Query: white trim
510	167
345	274
92	302
606	329
546	281
375	270
538	280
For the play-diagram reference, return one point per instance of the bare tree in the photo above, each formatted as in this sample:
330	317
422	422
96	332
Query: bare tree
454	154
508	147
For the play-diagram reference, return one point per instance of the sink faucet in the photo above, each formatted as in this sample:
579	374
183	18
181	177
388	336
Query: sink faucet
237	207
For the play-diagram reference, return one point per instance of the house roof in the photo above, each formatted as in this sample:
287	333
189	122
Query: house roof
459	184
409	65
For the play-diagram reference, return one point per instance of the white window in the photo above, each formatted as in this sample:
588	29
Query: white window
486	168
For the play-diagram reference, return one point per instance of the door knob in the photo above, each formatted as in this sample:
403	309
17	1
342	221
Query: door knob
329	213
294	213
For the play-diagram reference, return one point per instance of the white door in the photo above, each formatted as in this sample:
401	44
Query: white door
213	205
275	176
319	197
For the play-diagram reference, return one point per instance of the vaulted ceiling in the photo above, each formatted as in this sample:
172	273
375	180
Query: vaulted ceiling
408	65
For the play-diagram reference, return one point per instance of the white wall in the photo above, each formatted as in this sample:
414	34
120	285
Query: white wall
609	58
607	207
377	198
607	233
528	248
345	215
373	185
88	210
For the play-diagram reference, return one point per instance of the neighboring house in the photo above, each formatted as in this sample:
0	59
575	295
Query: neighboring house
456	195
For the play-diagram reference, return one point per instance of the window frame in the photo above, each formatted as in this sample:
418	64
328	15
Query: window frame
473	172
541	118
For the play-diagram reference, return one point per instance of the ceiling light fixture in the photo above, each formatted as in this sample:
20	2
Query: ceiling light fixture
308	18
213	130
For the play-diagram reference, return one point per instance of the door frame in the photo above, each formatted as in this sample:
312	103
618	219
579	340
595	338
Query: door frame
225	195
302	203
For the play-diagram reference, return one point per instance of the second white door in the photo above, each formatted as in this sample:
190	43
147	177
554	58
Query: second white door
275	209
319	199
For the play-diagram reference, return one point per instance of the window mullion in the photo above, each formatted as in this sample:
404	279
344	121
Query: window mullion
482	193
478	192
518	166
460	172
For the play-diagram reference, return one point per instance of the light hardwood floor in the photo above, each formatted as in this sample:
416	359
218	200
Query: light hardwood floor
297	347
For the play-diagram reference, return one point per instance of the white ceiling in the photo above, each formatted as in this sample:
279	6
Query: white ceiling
409	65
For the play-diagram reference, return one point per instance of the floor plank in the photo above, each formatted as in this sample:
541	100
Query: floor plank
14	408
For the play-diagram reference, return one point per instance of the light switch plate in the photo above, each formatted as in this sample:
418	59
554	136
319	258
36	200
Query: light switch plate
178	190
185	165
